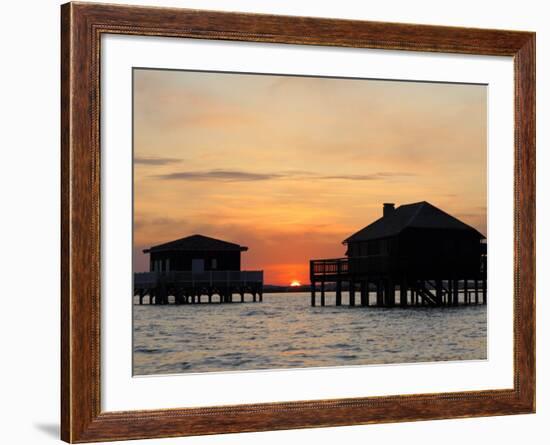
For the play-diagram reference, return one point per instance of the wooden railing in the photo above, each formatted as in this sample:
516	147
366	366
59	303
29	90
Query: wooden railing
152	279
329	268
344	268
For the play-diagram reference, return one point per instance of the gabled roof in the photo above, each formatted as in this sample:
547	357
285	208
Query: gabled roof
197	243
417	215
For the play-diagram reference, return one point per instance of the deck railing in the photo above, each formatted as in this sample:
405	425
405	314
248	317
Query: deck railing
151	279
329	267
344	268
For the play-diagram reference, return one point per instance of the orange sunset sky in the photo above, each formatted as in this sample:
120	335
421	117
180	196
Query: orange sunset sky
291	166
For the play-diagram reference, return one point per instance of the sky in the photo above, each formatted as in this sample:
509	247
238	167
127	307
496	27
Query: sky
291	166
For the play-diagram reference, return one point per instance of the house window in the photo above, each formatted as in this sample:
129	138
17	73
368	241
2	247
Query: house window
214	263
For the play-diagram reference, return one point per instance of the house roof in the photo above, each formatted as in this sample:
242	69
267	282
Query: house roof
197	243
417	215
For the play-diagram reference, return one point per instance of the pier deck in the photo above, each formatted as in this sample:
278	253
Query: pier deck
188	287
352	274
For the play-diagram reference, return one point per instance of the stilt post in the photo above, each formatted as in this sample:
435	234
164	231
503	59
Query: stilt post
338	293
439	291
351	293
403	291
379	294
364	293
389	293
455	292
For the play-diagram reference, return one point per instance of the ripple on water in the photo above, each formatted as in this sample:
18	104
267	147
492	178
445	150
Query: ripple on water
285	332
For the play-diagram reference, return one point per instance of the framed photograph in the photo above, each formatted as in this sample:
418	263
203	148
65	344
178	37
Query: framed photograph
274	222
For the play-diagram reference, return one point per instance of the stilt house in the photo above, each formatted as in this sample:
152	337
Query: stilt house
421	249
195	266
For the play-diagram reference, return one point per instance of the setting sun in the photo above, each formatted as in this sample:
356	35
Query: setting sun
295	283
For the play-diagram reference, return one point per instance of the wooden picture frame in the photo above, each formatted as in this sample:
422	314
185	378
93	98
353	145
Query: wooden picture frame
82	25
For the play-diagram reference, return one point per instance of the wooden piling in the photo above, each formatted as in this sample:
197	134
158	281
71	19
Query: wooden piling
403	291
351	293
389	292
313	293
439	291
323	293
455	292
364	293
379	294
338	293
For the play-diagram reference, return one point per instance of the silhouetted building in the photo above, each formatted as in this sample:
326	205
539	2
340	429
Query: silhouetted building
195	253
195	266
416	241
417	247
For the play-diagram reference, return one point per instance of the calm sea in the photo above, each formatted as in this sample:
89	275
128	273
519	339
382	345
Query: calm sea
286	332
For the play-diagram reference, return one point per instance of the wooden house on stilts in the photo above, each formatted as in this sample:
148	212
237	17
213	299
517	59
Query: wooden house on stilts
194	267
415	254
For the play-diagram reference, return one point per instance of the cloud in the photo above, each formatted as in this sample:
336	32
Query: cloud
369	177
241	176
219	175
143	221
152	160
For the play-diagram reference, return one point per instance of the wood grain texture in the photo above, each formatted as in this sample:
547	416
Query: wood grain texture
81	28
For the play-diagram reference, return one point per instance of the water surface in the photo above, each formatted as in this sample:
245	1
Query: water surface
284	331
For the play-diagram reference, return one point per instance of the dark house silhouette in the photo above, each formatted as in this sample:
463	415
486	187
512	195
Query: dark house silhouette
195	266
416	241
430	255
195	253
